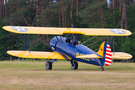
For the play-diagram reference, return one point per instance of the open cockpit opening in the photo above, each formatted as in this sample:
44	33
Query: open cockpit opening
68	40
73	39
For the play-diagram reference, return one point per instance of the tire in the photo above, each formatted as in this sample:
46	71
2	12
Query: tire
102	68
74	65
48	65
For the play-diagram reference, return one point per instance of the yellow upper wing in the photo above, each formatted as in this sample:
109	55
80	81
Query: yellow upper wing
116	55
36	54
60	31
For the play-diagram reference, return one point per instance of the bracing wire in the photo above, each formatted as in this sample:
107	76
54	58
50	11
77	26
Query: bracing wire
67	35
35	45
89	39
93	43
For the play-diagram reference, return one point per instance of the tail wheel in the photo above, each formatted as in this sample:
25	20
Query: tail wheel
48	65
102	68
74	65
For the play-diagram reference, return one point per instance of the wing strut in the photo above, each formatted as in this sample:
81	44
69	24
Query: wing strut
61	39
72	36
113	44
77	37
26	41
57	38
107	39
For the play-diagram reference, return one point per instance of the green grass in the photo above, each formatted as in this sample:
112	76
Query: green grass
31	75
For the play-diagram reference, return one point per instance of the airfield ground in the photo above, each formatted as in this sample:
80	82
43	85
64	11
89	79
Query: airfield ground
31	75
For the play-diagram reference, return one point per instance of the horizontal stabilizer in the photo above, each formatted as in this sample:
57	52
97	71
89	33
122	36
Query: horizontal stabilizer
121	55
89	56
61	31
36	54
116	55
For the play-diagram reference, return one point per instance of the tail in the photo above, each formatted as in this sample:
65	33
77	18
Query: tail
105	52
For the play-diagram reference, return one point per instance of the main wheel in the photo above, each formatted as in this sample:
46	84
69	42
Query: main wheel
74	65
48	65
102	68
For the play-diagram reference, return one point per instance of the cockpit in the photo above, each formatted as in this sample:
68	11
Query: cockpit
73	41
68	40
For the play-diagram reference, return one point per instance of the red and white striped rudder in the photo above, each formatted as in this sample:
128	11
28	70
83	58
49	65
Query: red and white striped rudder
108	56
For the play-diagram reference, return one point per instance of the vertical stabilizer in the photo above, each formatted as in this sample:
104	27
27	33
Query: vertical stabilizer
105	52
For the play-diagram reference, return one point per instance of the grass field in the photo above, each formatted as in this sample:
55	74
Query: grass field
31	75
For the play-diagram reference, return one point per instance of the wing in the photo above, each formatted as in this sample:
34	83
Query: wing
116	55
60	31
121	55
36	54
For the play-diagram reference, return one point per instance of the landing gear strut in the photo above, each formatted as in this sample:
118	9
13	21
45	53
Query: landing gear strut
102	68
74	65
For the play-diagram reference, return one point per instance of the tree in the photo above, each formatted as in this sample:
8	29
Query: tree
129	44
0	8
93	12
66	13
23	16
124	15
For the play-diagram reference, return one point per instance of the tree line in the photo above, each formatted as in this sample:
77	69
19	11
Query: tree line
66	13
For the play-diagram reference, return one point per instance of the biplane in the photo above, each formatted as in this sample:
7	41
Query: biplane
70	48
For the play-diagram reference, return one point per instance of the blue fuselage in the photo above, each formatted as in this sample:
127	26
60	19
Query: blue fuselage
69	50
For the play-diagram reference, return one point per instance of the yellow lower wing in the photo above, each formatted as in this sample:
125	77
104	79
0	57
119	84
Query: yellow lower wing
116	55
36	54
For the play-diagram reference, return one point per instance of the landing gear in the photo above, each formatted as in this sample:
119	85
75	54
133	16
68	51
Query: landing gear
48	65
74	65
102	68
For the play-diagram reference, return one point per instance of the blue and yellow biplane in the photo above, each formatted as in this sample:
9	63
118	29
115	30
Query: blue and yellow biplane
70	48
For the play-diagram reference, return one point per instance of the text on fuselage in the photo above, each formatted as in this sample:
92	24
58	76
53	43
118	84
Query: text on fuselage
80	54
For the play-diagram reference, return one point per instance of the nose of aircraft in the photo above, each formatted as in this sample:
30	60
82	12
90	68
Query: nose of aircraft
53	43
